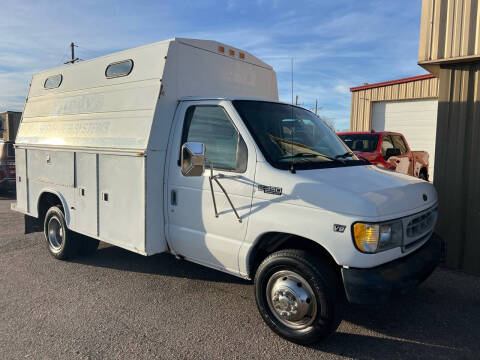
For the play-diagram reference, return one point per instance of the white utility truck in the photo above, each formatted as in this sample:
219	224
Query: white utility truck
181	146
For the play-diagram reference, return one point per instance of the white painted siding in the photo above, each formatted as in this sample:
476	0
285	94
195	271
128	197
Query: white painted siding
415	119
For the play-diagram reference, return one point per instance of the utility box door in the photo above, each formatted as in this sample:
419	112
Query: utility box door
122	201
21	173
86	194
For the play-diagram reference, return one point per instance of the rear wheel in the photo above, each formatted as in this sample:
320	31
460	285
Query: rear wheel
61	242
298	296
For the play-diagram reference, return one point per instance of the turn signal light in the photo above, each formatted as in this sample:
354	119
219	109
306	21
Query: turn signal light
366	237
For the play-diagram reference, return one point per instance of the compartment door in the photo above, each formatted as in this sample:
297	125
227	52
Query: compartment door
21	174
86	206
122	201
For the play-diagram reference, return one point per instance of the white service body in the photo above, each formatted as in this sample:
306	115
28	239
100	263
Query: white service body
109	149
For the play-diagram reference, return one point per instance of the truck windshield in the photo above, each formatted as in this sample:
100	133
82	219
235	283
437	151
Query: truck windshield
289	135
360	142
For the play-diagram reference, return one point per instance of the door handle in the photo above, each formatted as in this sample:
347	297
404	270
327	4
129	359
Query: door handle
173	198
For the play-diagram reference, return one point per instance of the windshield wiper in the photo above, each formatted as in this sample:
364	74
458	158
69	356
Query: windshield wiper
351	154
299	155
342	156
308	155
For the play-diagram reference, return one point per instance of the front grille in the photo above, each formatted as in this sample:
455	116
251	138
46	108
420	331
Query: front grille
420	224
418	228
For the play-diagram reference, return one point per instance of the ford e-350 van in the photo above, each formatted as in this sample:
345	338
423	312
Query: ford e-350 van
182	146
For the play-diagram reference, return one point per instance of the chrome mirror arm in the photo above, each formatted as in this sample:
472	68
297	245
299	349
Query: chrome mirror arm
210	178
215	178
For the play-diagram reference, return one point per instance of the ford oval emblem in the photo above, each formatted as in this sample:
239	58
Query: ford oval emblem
425	197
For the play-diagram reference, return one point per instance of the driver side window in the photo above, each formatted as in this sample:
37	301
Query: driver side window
386	144
210	125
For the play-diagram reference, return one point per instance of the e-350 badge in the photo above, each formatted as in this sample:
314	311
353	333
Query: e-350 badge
270	189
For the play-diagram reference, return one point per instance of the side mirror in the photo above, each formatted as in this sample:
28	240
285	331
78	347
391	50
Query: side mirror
193	159
392	152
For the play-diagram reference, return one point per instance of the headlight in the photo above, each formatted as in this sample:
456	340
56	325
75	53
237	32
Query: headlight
372	238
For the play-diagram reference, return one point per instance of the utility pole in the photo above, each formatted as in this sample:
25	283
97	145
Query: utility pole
316	106
72	46
296	100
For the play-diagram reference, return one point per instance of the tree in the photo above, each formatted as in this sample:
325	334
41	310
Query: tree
328	121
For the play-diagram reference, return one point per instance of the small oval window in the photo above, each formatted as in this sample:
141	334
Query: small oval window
53	82
122	68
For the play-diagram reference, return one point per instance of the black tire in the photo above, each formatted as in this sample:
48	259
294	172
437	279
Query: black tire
323	284
61	242
423	175
87	245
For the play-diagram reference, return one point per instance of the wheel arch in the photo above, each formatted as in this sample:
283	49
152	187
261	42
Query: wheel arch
270	242
49	198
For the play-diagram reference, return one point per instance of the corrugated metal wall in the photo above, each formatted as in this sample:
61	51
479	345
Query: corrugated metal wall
450	29
457	164
361	107
9	122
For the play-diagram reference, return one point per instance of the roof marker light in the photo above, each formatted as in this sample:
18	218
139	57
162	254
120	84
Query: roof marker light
221	49
232	52
241	55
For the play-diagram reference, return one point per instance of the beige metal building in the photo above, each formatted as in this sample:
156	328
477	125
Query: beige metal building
408	106
443	109
9	122
450	48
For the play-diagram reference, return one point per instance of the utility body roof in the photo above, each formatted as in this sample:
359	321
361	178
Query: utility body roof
135	111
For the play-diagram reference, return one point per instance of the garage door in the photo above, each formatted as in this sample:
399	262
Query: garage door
415	119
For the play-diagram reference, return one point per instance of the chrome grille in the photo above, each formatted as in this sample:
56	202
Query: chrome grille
421	224
418	227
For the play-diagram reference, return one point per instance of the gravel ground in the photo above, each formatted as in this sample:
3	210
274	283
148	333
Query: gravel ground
116	304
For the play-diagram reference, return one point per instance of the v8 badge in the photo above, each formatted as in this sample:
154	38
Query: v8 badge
339	228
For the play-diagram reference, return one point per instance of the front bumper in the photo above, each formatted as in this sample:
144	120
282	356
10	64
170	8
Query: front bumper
377	285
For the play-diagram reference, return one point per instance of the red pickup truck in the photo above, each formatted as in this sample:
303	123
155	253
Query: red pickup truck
389	150
7	165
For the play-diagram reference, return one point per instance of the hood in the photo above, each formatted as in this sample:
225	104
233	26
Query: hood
365	191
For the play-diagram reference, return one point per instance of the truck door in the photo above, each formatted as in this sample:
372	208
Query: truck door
404	160
193	229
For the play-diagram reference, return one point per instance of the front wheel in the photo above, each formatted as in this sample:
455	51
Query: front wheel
298	296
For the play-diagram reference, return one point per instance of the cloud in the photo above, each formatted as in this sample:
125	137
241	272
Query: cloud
342	89
335	45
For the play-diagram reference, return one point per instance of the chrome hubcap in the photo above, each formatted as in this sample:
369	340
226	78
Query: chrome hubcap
55	233
291	299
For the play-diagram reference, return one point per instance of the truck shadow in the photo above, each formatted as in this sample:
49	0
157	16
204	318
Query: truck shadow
161	264
440	319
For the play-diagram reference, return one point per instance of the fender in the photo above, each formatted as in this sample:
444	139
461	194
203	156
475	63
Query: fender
270	241
66	209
